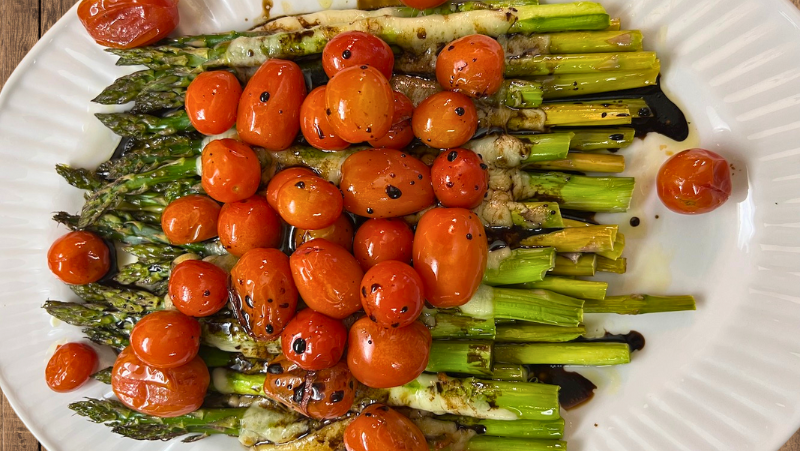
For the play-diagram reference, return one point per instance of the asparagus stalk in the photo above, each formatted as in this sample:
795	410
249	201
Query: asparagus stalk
128	300
154	101
590	239
506	151
531	429
482	443
575	265
535	65
79	178
582	162
512	266
563	353
539	306
144	125
127	88
588	140
114	338
639	304
450	325
462	357
569	85
89	315
148	159
576	42
618	266
498	210
510	372
148	254
149	276
576	192
583	289
537	333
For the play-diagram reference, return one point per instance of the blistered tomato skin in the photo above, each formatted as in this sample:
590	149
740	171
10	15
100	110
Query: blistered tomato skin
212	100
126	24
381	357
314	123
392	294
340	232
162	393
361	104
356	48
70	367
166	339
450	252
460	178
314	341
385	183
265	297
269	111
380	428
328	278
445	120
231	171
694	181
472	65
190	219
79	258
249	224
198	288
282	177
401	134
310	203
380	240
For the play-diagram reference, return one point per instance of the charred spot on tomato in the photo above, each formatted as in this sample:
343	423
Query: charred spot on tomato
338	395
469	236
364	67
347	54
375	287
207	293
364	291
249	301
393	192
449	184
264	97
275	368
452	156
270	329
404	309
298	393
370	211
317	391
300	185
299	346
460	111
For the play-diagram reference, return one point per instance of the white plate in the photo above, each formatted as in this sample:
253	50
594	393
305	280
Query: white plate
726	377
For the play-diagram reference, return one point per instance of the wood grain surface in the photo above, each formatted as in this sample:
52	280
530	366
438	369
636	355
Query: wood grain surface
22	23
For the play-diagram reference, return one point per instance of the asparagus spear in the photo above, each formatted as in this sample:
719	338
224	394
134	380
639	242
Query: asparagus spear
144	125
511	266
592	239
154	101
89	315
575	265
148	159
463	357
553	429
533	333
127	300
583	289
569	85
618	266
128	87
563	353
79	178
582	162
588	140
148	254
638	304
149	276
510	372
576	192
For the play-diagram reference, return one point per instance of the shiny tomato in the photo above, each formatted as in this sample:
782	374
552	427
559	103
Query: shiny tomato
190	219
212	100
126	24
277	181
166	339
198	288
384	357
356	48
266	296
328	278
162	393
450	252
385	183
361	104
249	224
472	65
269	111
460	178
380	428
694	181
70	367
423	4
79	258
310	202
314	341
231	171
314	123
392	294
380	240
445	120
401	134
340	232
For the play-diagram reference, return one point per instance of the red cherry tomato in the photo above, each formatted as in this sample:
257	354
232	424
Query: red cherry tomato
212	100
166	339
198	288
380	428
190	219
79	258
460	179
450	252
380	240
231	171
472	65
340	232
70	367
356	48
162	393
361	104
694	181
381	357
310	202
423	4
266	296
269	111
276	183
385	183
392	294
401	134
445	120
315	125
314	341
328	278
126	24
249	224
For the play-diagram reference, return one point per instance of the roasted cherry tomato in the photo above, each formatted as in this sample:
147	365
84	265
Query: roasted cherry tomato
328	278
384	357
161	393
392	294
269	111
198	288
231	171
310	202
401	134
450	252
380	240
265	295
276	183
314	341
323	395
694	181
126	24
445	120
79	258
472	65
190	219
212	100
166	339
356	48
248	224
361	104
70	367
460	179
380	428
340	232
314	123
385	183
423	4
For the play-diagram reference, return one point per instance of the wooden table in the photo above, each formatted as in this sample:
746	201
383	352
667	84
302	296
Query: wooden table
22	23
